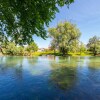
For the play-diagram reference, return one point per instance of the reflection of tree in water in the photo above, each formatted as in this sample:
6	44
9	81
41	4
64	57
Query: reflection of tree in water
51	57
64	78
13	63
94	62
63	75
19	71
32	60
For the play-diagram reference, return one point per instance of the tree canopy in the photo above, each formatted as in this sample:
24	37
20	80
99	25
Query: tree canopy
10	48
32	47
94	45
21	19
63	36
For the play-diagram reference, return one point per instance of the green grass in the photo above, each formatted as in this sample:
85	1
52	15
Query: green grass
60	54
45	53
81	54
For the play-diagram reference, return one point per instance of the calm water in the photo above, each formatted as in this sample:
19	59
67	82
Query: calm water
50	78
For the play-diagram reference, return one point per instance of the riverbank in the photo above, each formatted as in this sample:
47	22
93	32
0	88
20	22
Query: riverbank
56	54
60	54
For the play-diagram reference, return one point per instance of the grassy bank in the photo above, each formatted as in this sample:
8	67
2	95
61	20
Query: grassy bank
60	54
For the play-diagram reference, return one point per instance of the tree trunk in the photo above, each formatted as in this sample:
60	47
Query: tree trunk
54	51
94	52
1	51
63	51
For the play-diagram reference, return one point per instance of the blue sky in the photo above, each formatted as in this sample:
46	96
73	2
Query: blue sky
84	13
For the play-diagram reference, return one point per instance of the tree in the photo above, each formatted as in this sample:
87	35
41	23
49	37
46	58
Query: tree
11	49
82	47
53	46
64	34
74	46
94	45
20	50
21	19
32	47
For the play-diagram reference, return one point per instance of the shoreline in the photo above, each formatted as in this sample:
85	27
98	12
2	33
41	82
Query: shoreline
51	55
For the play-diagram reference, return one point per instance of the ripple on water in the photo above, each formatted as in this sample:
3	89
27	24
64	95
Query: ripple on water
50	78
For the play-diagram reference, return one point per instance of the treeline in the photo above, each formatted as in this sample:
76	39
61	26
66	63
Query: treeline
65	38
10	48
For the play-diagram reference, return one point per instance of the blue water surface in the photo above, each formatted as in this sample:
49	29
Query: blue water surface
49	78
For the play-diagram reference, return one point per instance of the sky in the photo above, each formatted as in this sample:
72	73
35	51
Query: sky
84	13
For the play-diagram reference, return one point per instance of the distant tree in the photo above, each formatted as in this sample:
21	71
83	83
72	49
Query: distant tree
63	35
32	47
94	45
20	19
11	48
82	47
77	46
20	50
53	45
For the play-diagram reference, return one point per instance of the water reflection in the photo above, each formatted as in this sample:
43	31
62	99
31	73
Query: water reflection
63	73
64	78
32	60
10	61
7	63
50	78
94	62
15	65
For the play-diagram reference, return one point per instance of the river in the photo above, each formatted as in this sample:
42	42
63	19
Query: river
49	78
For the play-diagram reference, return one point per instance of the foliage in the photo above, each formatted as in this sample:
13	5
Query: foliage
94	45
74	46
32	47
53	45
63	73
20	19
63	36
10	48
82	48
20	50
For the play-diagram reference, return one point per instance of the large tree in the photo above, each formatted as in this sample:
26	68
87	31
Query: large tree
64	35
21	19
94	45
8	48
74	46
